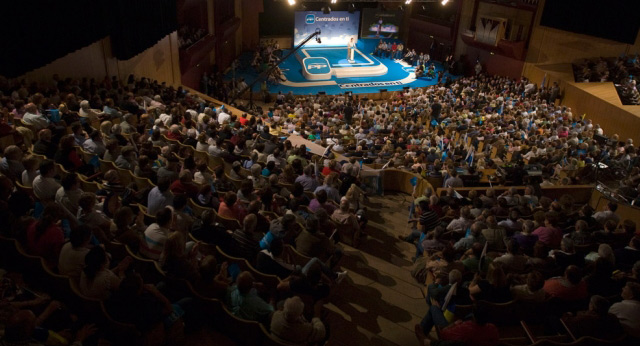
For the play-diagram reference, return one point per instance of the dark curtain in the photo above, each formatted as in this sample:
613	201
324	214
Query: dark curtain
37	32
139	24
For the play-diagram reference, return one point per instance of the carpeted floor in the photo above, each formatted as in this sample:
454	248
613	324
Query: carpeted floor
379	303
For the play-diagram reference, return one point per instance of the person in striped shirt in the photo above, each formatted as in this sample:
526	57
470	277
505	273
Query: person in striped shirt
428	221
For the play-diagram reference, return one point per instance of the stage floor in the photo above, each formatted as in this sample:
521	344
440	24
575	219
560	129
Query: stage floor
398	75
337	56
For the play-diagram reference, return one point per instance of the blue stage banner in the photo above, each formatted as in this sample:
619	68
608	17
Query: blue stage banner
337	28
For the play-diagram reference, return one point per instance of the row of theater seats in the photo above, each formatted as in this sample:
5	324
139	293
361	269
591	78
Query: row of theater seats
39	276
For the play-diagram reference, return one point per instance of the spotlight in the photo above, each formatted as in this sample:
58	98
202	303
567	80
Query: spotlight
407	2
292	2
326	10
424	7
334	1
318	40
444	2
352	8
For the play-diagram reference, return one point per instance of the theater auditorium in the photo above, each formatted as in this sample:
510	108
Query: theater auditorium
320	172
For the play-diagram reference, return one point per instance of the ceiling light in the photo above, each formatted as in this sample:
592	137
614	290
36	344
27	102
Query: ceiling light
292	2
444	2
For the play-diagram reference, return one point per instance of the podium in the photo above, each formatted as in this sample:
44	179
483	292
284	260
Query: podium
350	53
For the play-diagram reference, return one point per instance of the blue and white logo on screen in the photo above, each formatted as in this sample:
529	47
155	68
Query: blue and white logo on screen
310	18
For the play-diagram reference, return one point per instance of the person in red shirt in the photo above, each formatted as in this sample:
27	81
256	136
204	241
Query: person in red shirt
333	167
568	287
476	332
45	237
230	208
243	119
185	185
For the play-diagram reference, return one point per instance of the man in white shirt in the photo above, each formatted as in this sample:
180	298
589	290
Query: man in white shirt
223	117
44	186
33	118
156	234
71	260
607	214
628	310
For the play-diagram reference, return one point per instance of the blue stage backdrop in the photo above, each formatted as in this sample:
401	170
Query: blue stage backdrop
337	28
379	24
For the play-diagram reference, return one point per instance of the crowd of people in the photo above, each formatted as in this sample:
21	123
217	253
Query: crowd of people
188	35
275	201
623	71
281	196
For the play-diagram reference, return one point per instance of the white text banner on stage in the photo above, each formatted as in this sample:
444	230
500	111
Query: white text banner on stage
368	84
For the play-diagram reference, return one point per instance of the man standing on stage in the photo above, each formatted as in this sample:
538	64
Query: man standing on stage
400	49
351	46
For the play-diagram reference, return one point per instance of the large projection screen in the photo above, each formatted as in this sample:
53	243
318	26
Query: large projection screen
337	28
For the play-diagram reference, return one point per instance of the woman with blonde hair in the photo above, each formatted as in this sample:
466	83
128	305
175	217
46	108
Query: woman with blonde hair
177	259
287	176
105	128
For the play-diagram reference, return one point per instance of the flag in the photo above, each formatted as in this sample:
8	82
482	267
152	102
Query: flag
483	256
584	115
413	181
544	80
501	108
447	299
470	154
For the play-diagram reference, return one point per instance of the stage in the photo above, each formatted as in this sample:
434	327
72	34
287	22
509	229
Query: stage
306	73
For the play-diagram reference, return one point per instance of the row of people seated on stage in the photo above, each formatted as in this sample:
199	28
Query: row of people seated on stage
391	50
396	50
